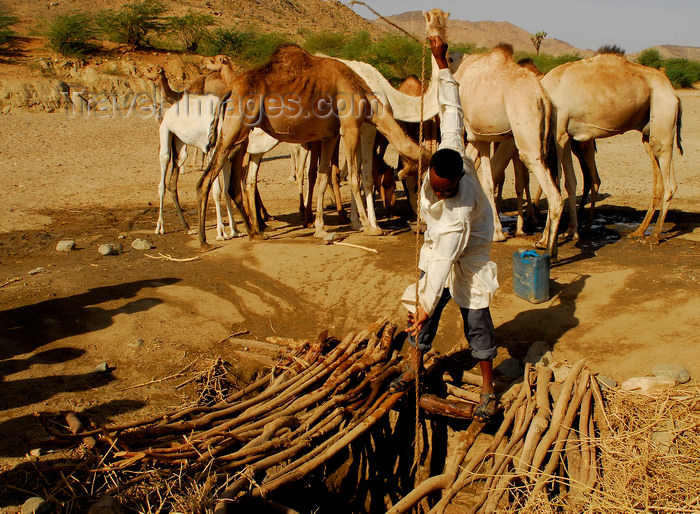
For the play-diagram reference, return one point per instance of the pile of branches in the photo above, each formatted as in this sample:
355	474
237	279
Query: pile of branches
275	431
545	451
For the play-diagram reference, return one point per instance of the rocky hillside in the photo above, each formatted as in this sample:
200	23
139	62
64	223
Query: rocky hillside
482	34
286	17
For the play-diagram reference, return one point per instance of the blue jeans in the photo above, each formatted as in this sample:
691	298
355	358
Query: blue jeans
478	329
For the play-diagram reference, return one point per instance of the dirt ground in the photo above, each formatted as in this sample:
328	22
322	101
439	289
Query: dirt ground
620	304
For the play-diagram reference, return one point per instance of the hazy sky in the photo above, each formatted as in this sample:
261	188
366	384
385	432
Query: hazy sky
632	24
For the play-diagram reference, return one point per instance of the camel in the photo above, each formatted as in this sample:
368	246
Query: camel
299	98
157	75
606	95
503	101
191	121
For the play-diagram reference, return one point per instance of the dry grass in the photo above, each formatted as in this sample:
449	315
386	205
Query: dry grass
651	459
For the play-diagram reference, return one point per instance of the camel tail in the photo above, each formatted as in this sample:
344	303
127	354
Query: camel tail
678	128
214	128
549	146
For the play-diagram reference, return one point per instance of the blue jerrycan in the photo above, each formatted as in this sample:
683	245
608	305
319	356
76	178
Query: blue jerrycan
531	276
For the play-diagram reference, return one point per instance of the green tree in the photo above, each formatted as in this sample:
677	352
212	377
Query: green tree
650	57
72	35
134	23
191	29
7	35
537	40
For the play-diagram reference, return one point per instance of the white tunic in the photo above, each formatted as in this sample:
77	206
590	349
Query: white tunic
457	240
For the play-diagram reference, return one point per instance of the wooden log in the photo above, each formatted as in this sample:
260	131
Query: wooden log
558	414
446	479
563	432
263	347
539	423
477	459
451	408
463	394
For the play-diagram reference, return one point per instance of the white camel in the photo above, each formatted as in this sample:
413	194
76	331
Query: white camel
606	95
191	121
503	101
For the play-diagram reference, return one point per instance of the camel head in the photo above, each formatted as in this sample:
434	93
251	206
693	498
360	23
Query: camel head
154	72
436	23
218	62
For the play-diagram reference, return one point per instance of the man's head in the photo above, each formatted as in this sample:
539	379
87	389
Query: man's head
445	171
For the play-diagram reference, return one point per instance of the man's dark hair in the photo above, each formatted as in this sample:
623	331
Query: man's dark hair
447	163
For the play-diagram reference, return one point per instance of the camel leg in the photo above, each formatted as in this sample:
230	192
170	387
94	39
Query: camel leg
164	155
324	168
521	176
295	154
226	178
544	177
303	156
585	153
179	157
251	196
502	155
486	179
315	149
570	185
664	187
335	179
232	132
367	134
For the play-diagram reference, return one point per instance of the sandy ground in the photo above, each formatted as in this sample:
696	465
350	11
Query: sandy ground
620	304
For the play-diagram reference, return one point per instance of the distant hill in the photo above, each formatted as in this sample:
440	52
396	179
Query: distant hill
682	52
482	34
490	33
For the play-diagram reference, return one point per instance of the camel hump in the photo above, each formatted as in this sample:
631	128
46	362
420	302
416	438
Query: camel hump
504	48
287	51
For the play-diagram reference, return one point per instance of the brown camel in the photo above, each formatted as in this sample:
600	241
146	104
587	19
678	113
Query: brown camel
300	98
503	101
606	95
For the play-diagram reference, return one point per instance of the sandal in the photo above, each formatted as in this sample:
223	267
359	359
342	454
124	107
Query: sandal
400	383
482	412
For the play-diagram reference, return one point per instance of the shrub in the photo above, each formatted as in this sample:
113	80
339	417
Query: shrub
682	72
329	43
546	62
7	35
72	35
226	41
191	29
650	57
134	23
246	48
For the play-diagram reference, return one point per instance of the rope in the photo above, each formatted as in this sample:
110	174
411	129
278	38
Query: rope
418	429
354	2
418	443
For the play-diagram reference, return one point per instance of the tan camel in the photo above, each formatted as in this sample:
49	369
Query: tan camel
157	75
299	98
503	101
606	95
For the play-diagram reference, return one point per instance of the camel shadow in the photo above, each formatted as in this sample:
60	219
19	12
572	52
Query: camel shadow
26	328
